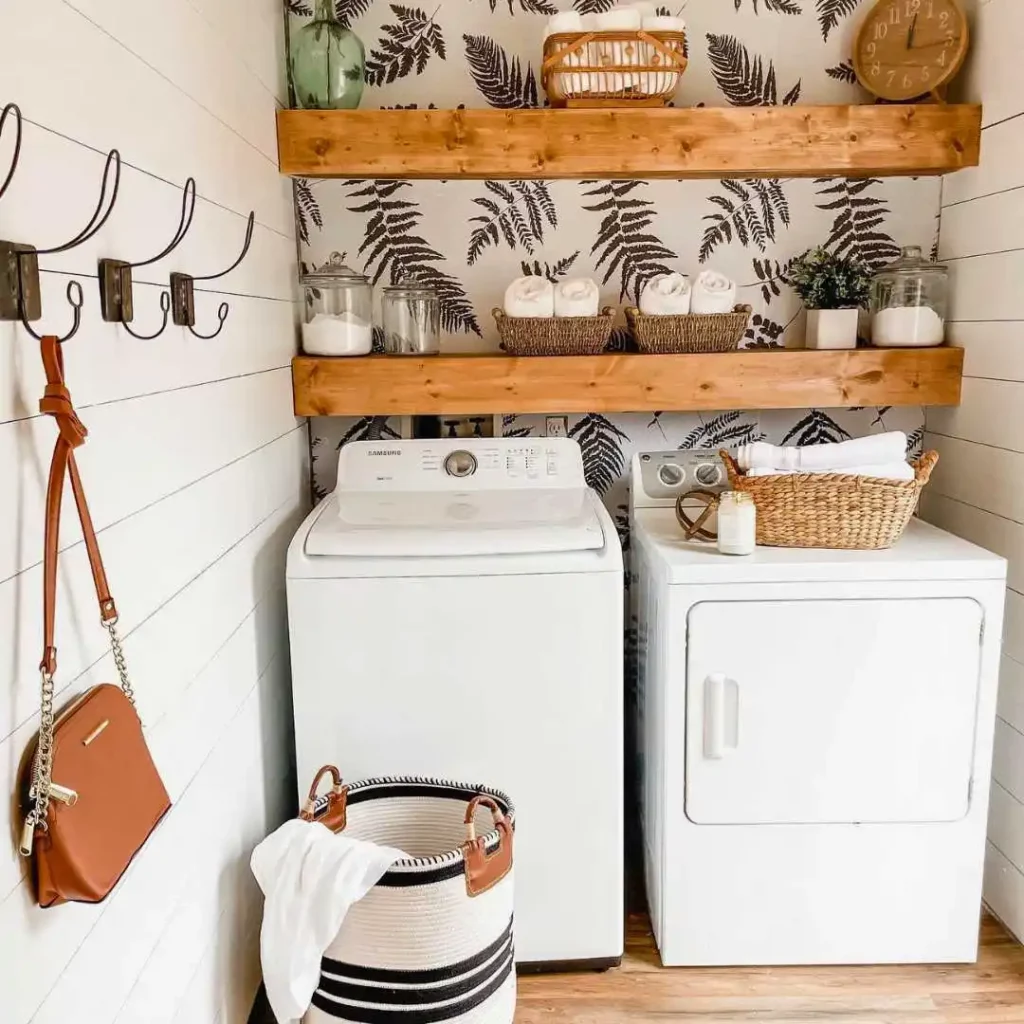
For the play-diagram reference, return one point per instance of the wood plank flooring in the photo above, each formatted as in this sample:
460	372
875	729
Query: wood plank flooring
641	991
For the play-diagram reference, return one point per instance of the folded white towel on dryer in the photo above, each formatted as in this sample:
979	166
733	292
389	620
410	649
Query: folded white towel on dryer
874	450
890	471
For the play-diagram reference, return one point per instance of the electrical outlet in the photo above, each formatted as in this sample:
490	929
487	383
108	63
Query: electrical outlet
556	426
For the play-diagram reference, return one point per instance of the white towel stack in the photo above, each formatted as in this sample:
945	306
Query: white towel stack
881	455
666	295
713	293
530	296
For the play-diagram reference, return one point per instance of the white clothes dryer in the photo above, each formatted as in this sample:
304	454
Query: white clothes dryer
815	732
455	610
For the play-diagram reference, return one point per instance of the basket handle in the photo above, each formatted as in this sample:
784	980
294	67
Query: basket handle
695	527
924	466
731	467
483	870
335	813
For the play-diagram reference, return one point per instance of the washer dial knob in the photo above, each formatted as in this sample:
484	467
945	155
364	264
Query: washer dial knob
709	474
460	463
671	475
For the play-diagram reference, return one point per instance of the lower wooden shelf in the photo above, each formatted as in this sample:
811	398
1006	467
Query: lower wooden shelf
748	379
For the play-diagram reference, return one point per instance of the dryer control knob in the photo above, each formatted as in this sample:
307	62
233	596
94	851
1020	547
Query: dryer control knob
709	474
460	463
671	475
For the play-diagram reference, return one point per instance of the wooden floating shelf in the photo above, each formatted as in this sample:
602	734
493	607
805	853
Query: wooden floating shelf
748	379
705	142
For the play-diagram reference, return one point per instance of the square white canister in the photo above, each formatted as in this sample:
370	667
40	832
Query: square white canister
831	328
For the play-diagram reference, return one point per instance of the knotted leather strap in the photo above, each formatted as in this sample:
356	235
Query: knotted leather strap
56	402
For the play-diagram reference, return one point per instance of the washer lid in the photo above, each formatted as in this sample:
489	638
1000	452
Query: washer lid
439	523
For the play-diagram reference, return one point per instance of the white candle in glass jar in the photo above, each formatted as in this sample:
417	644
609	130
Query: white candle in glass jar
737	523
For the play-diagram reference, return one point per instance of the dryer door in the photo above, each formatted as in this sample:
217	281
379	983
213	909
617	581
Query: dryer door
831	711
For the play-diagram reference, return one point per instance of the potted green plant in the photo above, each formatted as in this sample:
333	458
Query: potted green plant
834	289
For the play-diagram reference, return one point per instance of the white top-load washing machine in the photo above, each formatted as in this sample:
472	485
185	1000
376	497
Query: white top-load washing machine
455	610
815	730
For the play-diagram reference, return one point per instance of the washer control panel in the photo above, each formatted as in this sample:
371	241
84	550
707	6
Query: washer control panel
477	464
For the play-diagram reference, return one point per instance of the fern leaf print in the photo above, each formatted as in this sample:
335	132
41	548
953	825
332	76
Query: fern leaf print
774	6
405	47
499	77
858	228
625	246
517	211
526	6
369	428
601	444
391	249
347	11
552	271
723	431
745	80
307	209
816	427
592	6
831	12
298	7
843	72
750	212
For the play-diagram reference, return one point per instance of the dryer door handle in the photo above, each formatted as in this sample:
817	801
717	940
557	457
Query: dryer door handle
721	715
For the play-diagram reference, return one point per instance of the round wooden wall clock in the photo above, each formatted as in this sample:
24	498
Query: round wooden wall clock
908	49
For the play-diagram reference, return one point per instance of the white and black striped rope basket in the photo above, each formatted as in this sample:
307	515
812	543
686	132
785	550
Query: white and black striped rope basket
432	940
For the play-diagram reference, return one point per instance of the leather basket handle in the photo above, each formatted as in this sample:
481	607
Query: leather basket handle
483	870
334	814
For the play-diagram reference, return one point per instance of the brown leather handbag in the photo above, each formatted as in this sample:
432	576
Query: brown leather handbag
92	793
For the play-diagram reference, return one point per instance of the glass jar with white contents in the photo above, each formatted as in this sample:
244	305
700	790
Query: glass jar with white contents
411	318
339	311
908	302
737	523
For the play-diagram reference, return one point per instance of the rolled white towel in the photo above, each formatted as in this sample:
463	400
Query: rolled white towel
577	296
666	295
663	23
589	22
874	450
890	471
713	293
644	7
616	19
530	296
564	21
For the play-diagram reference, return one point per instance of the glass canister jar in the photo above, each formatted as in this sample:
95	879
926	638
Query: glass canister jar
327	62
339	311
908	302
411	317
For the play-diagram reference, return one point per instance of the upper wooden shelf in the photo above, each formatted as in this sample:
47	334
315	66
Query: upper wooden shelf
748	379
704	142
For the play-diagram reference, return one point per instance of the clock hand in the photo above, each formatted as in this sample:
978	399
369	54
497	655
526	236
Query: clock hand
910	34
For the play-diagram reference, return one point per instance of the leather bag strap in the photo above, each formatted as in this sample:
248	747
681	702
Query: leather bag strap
56	402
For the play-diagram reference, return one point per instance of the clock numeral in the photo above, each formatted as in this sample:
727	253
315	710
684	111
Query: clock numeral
881	29
890	77
926	74
894	15
942	59
908	82
944	19
876	69
931	10
913	6
950	38
872	49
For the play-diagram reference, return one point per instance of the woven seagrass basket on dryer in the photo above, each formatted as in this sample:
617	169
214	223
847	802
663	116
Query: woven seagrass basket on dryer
831	510
432	940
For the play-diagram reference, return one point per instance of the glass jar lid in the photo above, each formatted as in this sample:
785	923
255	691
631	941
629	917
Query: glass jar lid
410	288
335	273
912	261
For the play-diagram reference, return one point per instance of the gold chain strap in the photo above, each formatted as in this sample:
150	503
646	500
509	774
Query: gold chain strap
42	763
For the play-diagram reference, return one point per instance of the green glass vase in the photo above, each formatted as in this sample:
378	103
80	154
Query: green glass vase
326	61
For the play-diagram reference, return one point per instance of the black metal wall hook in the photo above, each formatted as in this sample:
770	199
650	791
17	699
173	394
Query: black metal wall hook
19	263
183	299
75	300
11	110
115	276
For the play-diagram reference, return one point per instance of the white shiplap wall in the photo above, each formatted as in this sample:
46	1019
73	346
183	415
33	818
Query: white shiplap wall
196	472
978	487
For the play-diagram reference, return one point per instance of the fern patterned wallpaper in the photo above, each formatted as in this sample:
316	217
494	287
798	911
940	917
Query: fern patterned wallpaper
470	238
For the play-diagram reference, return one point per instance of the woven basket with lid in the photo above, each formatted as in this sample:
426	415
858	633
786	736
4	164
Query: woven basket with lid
831	510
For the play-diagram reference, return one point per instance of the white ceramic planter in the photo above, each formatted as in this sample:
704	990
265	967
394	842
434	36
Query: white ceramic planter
831	328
